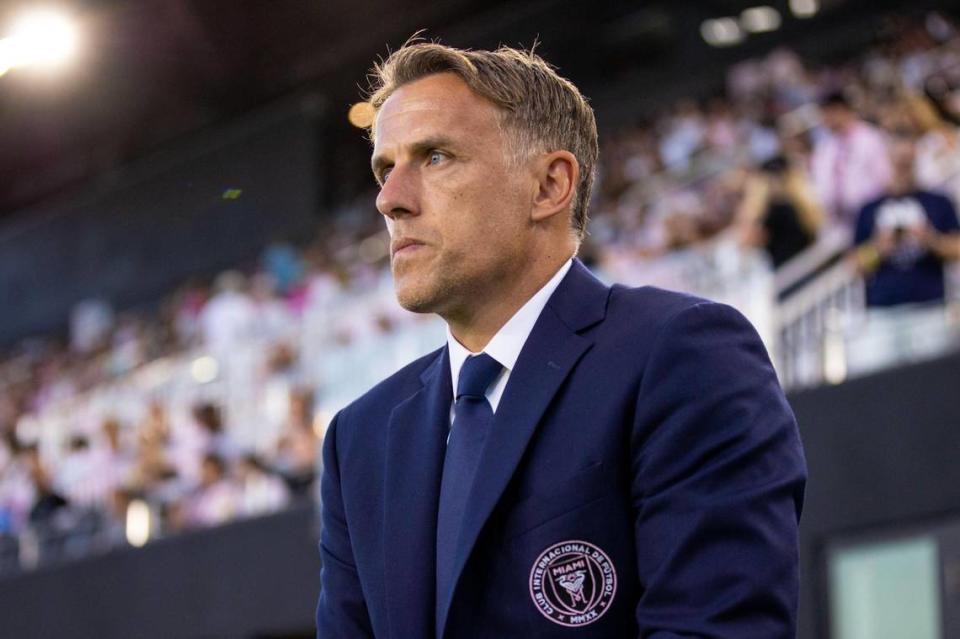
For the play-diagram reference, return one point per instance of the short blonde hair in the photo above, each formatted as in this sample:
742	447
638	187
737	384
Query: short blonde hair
540	111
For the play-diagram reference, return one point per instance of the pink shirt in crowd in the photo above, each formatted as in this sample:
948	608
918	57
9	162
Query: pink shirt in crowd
849	170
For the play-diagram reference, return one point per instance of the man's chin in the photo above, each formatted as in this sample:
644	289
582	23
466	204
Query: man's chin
415	301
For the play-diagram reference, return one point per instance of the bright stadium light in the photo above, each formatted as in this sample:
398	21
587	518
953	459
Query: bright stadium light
834	349
42	38
834	360
721	32
7	55
361	115
761	19
804	8
138	523
204	369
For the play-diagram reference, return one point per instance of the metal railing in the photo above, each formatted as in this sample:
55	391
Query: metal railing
811	323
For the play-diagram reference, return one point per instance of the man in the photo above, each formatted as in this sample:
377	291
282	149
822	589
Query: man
850	164
613	462
905	237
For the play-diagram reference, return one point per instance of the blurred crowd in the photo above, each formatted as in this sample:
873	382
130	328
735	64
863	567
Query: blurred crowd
183	461
868	145
790	151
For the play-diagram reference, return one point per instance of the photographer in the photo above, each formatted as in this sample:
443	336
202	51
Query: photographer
904	238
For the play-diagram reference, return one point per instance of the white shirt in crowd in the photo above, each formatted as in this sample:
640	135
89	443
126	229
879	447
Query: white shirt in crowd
227	320
938	163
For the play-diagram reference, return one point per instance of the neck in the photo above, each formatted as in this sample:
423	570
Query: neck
901	185
846	128
476	327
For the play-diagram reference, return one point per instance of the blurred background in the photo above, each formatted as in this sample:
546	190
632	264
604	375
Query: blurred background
193	279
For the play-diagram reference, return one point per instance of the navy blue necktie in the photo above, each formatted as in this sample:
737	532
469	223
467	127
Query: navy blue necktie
472	417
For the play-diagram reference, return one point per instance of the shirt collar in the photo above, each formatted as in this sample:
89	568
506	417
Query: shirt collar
506	345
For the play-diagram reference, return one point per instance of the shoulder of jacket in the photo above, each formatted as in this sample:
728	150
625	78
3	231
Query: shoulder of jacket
653	301
393	389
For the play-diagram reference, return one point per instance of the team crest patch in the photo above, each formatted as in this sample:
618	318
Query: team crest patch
573	583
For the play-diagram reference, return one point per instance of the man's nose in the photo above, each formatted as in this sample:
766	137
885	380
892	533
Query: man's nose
399	196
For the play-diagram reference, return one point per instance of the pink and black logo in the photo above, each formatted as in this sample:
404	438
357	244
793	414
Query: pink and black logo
573	583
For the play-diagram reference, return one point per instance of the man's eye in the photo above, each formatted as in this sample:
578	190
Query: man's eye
384	174
436	157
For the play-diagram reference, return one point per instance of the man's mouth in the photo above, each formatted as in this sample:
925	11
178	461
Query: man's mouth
404	245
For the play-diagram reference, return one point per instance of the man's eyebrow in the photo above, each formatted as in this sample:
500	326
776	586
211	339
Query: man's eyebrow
418	148
430	143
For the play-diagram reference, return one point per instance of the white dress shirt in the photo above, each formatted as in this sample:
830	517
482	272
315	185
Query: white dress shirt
506	345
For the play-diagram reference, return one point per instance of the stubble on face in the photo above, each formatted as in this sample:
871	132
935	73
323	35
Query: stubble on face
467	207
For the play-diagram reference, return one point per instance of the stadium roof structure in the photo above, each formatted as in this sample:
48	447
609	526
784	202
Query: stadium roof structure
151	71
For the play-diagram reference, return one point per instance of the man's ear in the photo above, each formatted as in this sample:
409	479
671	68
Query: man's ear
557	174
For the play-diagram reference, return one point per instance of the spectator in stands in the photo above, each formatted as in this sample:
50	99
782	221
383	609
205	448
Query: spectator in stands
323	282
282	262
6	448
759	137
721	128
128	347
16	485
788	81
261	491
272	319
80	476
850	163
52	382
683	136
155	473
682	226
216	440
778	211
202	435
273	396
904	238
229	317
47	501
114	528
90	323
938	150
216	500
155	422
297	451
115	458
186	310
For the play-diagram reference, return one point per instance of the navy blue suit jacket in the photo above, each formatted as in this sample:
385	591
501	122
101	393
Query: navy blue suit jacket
646	426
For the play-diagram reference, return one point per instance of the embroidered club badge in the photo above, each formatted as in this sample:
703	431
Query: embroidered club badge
573	583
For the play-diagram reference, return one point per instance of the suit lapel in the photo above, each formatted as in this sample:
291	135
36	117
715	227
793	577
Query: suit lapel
415	447
548	356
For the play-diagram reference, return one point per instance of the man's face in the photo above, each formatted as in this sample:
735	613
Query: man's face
457	209
838	118
902	156
210	473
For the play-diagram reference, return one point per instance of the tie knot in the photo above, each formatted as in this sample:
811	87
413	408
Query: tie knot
477	373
